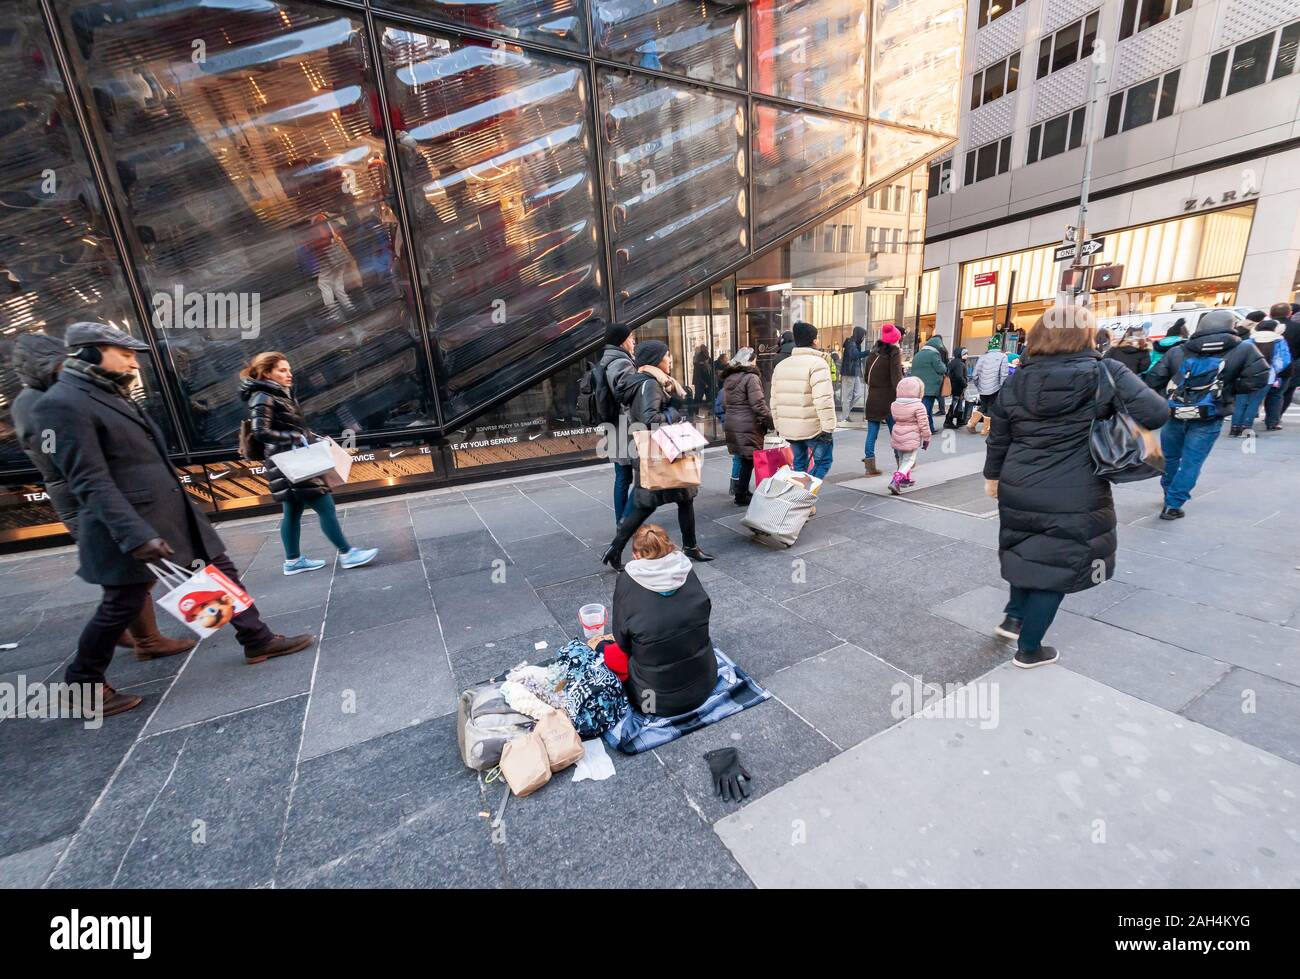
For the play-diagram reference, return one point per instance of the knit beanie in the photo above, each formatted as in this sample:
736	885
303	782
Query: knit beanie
890	334
649	352
616	333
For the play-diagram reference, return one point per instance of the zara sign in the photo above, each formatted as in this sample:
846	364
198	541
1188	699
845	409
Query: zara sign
1227	197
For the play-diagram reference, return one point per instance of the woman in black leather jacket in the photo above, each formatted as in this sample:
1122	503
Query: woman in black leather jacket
278	424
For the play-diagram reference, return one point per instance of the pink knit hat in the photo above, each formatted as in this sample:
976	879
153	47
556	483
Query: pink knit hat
890	334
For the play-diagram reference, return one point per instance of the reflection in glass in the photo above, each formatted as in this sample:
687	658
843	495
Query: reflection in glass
495	151
916	50
804	164
675	158
695	38
812	52
57	261
253	172
698	332
890	150
555	22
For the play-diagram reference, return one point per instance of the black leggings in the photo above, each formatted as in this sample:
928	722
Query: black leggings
636	515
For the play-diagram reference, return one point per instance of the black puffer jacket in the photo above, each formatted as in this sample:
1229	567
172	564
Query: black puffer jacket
747	414
649	404
36	362
279	425
1057	516
1244	370
1134	358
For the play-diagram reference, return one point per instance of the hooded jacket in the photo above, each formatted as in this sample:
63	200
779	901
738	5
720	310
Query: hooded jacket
957	372
991	372
883	372
661	621
911	421
1131	356
615	362
278	423
1161	347
746	415
803	398
1057	515
931	366
855	353
36	362
1244	369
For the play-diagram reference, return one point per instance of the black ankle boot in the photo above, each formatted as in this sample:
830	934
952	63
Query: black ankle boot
613	558
695	554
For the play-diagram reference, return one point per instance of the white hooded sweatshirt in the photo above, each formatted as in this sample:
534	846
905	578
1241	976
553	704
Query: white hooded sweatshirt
663	574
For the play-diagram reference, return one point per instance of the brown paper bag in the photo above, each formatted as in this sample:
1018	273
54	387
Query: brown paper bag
657	473
563	746
524	764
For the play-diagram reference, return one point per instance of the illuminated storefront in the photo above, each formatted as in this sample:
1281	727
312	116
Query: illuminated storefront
432	208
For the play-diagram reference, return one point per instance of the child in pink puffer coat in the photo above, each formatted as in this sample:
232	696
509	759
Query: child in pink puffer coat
911	431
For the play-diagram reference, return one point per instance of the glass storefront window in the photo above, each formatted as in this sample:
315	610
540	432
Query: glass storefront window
555	22
812	52
675	164
693	38
804	163
251	163
495	150
58	264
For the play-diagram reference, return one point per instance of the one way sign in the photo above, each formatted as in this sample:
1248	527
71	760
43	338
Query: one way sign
1092	246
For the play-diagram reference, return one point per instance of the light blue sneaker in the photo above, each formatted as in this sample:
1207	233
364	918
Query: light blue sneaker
357	556
301	564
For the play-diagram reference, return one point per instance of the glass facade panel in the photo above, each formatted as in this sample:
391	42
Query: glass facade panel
253	171
495	148
812	52
555	22
58	264
916	48
890	150
693	38
804	163
675	164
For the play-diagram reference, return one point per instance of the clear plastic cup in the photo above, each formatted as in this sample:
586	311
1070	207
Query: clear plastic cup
592	618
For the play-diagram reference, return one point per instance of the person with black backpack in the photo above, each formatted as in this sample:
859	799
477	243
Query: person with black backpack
598	401
1202	378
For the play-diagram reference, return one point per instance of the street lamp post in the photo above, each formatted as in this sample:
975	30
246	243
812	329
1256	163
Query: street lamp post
1090	125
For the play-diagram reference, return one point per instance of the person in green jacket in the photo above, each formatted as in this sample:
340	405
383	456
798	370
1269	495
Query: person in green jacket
930	365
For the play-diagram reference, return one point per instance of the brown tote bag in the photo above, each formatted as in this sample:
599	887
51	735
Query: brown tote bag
658	473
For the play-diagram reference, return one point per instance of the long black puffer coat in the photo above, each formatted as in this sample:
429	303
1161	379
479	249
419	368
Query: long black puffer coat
1058	518
278	423
747	415
650	405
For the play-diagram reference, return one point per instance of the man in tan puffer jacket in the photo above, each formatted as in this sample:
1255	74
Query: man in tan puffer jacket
803	402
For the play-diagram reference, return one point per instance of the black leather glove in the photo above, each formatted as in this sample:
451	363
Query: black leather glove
727	772
154	550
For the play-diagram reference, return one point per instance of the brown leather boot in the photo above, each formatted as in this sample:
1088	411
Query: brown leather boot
113	703
125	641
277	646
149	642
870	462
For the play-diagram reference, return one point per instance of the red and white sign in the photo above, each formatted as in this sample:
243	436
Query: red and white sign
985	279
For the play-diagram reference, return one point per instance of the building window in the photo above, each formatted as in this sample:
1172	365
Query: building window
1143	103
940	178
989	160
1247	64
991	10
1138	15
995	81
1070	44
1055	136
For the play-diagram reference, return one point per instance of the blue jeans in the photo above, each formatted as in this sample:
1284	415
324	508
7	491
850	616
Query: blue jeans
1246	408
873	430
928	401
1035	608
1273	405
735	467
291	525
1186	445
622	486
823	447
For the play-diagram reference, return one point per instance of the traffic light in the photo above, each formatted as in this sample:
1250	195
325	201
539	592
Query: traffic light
1107	277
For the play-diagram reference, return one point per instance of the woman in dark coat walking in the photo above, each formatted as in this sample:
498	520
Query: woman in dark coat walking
278	426
747	417
883	372
1057	517
702	379
653	398
957	379
1132	351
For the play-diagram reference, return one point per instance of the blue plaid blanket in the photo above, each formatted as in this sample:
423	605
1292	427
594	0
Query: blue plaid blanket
735	691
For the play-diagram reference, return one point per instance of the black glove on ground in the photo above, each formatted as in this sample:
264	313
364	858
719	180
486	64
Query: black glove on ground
727	772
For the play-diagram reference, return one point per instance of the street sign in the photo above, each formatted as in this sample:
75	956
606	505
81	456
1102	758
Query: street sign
985	279
1092	246
1063	253
1071	233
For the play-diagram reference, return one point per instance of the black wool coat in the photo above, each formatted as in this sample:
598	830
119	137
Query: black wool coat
115	462
278	423
1057	516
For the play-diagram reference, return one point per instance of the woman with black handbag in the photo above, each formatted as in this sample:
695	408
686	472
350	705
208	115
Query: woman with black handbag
1057	533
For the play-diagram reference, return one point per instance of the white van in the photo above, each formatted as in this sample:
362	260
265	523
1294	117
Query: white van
1156	325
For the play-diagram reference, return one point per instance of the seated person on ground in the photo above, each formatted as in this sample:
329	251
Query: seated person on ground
661	621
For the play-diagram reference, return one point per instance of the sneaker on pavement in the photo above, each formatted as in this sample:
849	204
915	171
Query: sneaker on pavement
301	564
1172	513
1009	628
277	646
357	556
1041	656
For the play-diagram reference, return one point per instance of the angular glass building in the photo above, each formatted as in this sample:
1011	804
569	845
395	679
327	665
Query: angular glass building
432	208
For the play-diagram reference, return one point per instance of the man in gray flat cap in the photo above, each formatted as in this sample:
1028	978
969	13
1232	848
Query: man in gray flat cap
132	507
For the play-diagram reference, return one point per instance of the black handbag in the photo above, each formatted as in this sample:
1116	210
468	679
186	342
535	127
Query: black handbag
1122	450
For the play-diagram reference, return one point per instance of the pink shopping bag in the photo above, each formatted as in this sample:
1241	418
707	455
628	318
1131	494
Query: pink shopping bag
768	461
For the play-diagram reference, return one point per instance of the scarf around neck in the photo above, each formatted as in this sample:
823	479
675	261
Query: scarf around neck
115	382
664	380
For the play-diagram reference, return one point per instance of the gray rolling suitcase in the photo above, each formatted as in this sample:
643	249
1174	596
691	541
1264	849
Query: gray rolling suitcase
779	510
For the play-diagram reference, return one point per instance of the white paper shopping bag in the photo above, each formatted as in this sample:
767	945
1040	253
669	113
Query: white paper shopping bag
342	460
317	459
204	601
673	440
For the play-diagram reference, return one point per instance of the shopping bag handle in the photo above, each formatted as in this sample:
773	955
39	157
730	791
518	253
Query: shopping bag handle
172	576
